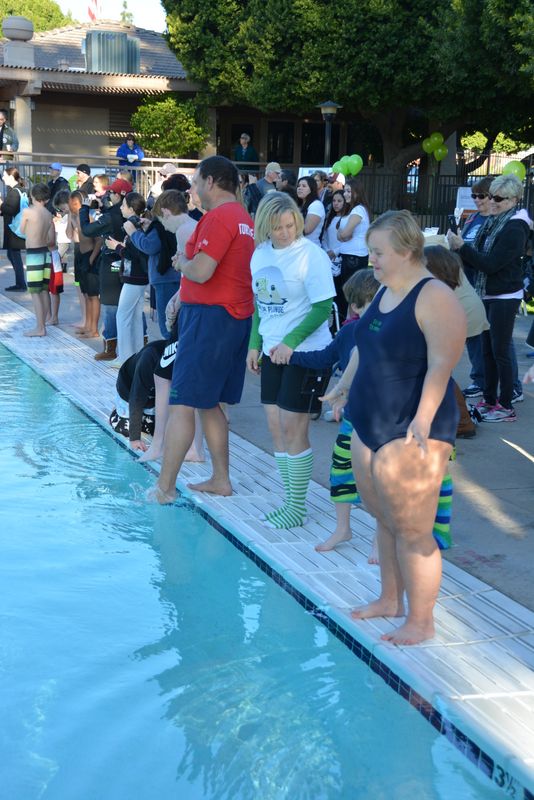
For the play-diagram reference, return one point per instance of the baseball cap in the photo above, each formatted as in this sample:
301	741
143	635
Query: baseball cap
84	168
273	166
120	186
56	165
167	169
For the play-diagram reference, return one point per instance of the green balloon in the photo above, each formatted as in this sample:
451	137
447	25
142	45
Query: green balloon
516	168
440	152
355	163
436	139
72	183
428	146
337	167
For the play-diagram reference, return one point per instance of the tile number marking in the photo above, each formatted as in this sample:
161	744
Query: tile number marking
505	781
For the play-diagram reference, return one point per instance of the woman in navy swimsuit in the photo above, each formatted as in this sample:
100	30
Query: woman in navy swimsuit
404	413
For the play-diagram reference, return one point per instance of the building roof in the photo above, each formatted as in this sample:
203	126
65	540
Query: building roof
61	49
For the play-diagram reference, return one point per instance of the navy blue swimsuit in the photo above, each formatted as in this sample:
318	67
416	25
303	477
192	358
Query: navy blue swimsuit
386	389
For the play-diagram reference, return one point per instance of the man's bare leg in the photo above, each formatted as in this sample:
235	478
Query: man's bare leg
216	432
179	435
163	388
196	451
40	308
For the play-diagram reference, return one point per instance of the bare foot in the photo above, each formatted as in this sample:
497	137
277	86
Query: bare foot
379	608
221	487
373	555
52	322
337	538
156	495
80	327
410	633
89	335
152	454
193	455
35	332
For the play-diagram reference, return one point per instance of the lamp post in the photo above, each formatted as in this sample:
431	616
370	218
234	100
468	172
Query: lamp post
329	111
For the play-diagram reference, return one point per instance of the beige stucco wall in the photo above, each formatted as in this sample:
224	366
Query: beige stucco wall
69	128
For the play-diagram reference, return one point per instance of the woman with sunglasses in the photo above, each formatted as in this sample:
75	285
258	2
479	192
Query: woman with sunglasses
480	197
496	254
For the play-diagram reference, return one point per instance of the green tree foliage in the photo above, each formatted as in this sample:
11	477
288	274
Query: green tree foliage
445	64
45	14
168	128
126	15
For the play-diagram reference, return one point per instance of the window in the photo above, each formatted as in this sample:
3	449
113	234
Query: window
280	141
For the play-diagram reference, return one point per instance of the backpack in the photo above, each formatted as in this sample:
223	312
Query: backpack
14	225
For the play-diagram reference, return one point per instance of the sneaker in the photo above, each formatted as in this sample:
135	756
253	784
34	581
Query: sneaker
15	288
500	414
517	396
483	407
473	391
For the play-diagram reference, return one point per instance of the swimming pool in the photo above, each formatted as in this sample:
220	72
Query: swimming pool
142	656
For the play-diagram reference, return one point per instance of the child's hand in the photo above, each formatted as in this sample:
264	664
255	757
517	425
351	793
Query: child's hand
280	354
138	444
337	397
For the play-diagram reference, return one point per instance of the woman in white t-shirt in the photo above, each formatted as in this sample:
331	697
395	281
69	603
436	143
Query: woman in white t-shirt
351	235
329	242
311	208
293	288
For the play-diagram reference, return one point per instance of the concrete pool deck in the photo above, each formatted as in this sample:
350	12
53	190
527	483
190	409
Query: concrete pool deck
478	671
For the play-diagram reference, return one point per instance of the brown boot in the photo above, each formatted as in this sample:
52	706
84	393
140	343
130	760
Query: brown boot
110	351
466	426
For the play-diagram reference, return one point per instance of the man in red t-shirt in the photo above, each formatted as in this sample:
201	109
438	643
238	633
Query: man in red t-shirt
214	326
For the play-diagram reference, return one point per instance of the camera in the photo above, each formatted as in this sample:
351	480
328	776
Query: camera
136	222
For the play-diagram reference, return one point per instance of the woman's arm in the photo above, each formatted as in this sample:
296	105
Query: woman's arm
318	313
444	326
312	221
346	233
148	243
509	245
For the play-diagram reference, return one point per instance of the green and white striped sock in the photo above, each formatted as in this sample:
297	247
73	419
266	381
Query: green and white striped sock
292	514
281	463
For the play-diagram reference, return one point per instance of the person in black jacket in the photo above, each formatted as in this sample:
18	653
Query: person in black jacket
134	277
108	225
56	183
497	254
13	243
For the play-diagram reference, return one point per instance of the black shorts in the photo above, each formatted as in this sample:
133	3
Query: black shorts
291	387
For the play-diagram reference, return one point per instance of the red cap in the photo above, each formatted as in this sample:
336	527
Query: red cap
120	186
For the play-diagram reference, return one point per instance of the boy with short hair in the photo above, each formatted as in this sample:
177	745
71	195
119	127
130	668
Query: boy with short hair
38	228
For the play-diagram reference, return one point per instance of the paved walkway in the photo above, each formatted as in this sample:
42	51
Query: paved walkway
478	670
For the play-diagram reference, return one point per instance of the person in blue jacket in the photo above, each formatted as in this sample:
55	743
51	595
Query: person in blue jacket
129	153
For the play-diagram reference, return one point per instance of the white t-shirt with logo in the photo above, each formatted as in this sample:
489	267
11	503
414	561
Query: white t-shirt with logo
286	282
316	208
356	245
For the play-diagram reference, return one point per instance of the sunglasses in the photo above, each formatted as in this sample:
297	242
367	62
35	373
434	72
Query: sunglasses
478	196
497	198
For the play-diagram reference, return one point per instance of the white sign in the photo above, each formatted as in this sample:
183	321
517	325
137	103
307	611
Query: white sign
464	199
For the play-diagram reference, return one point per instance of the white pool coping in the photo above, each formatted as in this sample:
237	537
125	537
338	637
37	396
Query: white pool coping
477	671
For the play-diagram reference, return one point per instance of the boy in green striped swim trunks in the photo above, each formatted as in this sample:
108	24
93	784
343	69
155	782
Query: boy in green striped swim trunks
38	229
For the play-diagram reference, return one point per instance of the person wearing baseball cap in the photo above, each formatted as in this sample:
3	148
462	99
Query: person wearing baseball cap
120	187
56	183
108	225
83	179
273	173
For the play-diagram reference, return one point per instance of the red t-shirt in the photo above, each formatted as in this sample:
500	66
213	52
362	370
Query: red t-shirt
226	234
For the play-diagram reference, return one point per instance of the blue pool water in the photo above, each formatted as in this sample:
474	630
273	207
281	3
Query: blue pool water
143	657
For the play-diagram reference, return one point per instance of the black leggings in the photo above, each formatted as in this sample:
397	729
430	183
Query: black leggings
349	265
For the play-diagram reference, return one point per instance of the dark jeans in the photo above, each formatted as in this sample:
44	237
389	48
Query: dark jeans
476	357
498	366
15	258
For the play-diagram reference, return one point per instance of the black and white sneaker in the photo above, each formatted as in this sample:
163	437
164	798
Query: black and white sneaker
473	391
517	397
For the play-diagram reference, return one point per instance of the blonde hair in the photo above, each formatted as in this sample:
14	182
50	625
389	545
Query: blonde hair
269	212
508	186
360	288
405	234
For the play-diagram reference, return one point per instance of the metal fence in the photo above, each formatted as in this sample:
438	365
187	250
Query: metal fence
430	197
